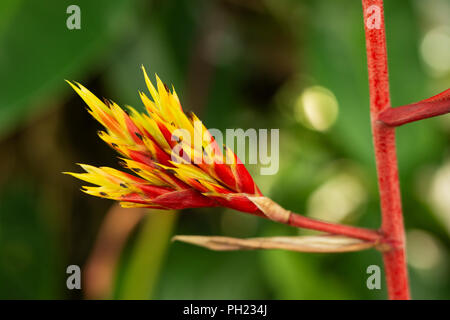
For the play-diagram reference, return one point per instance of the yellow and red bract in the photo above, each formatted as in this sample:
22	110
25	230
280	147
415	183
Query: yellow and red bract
202	176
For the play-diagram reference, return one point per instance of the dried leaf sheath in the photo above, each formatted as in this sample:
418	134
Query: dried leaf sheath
203	175
318	244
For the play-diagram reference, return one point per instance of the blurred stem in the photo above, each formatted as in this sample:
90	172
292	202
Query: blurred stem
102	263
385	152
148	255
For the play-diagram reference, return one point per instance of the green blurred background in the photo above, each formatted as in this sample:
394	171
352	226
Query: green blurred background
299	66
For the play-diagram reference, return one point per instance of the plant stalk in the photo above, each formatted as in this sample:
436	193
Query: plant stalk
385	152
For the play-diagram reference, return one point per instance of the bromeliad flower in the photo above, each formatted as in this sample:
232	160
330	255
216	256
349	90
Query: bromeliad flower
173	169
177	164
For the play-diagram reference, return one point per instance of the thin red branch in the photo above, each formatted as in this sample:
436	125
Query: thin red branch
273	211
300	221
385	152
432	107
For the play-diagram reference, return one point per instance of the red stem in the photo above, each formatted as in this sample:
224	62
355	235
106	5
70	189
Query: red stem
385	152
300	221
273	211
434	106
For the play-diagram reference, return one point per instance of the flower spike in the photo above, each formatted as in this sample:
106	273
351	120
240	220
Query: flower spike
199	175
176	163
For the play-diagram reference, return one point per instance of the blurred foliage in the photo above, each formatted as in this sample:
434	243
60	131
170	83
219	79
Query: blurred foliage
28	268
146	259
238	64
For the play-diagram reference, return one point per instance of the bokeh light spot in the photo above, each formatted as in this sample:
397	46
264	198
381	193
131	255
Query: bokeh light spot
435	49
316	108
424	251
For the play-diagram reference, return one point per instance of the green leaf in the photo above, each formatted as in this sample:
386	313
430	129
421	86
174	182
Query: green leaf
38	51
